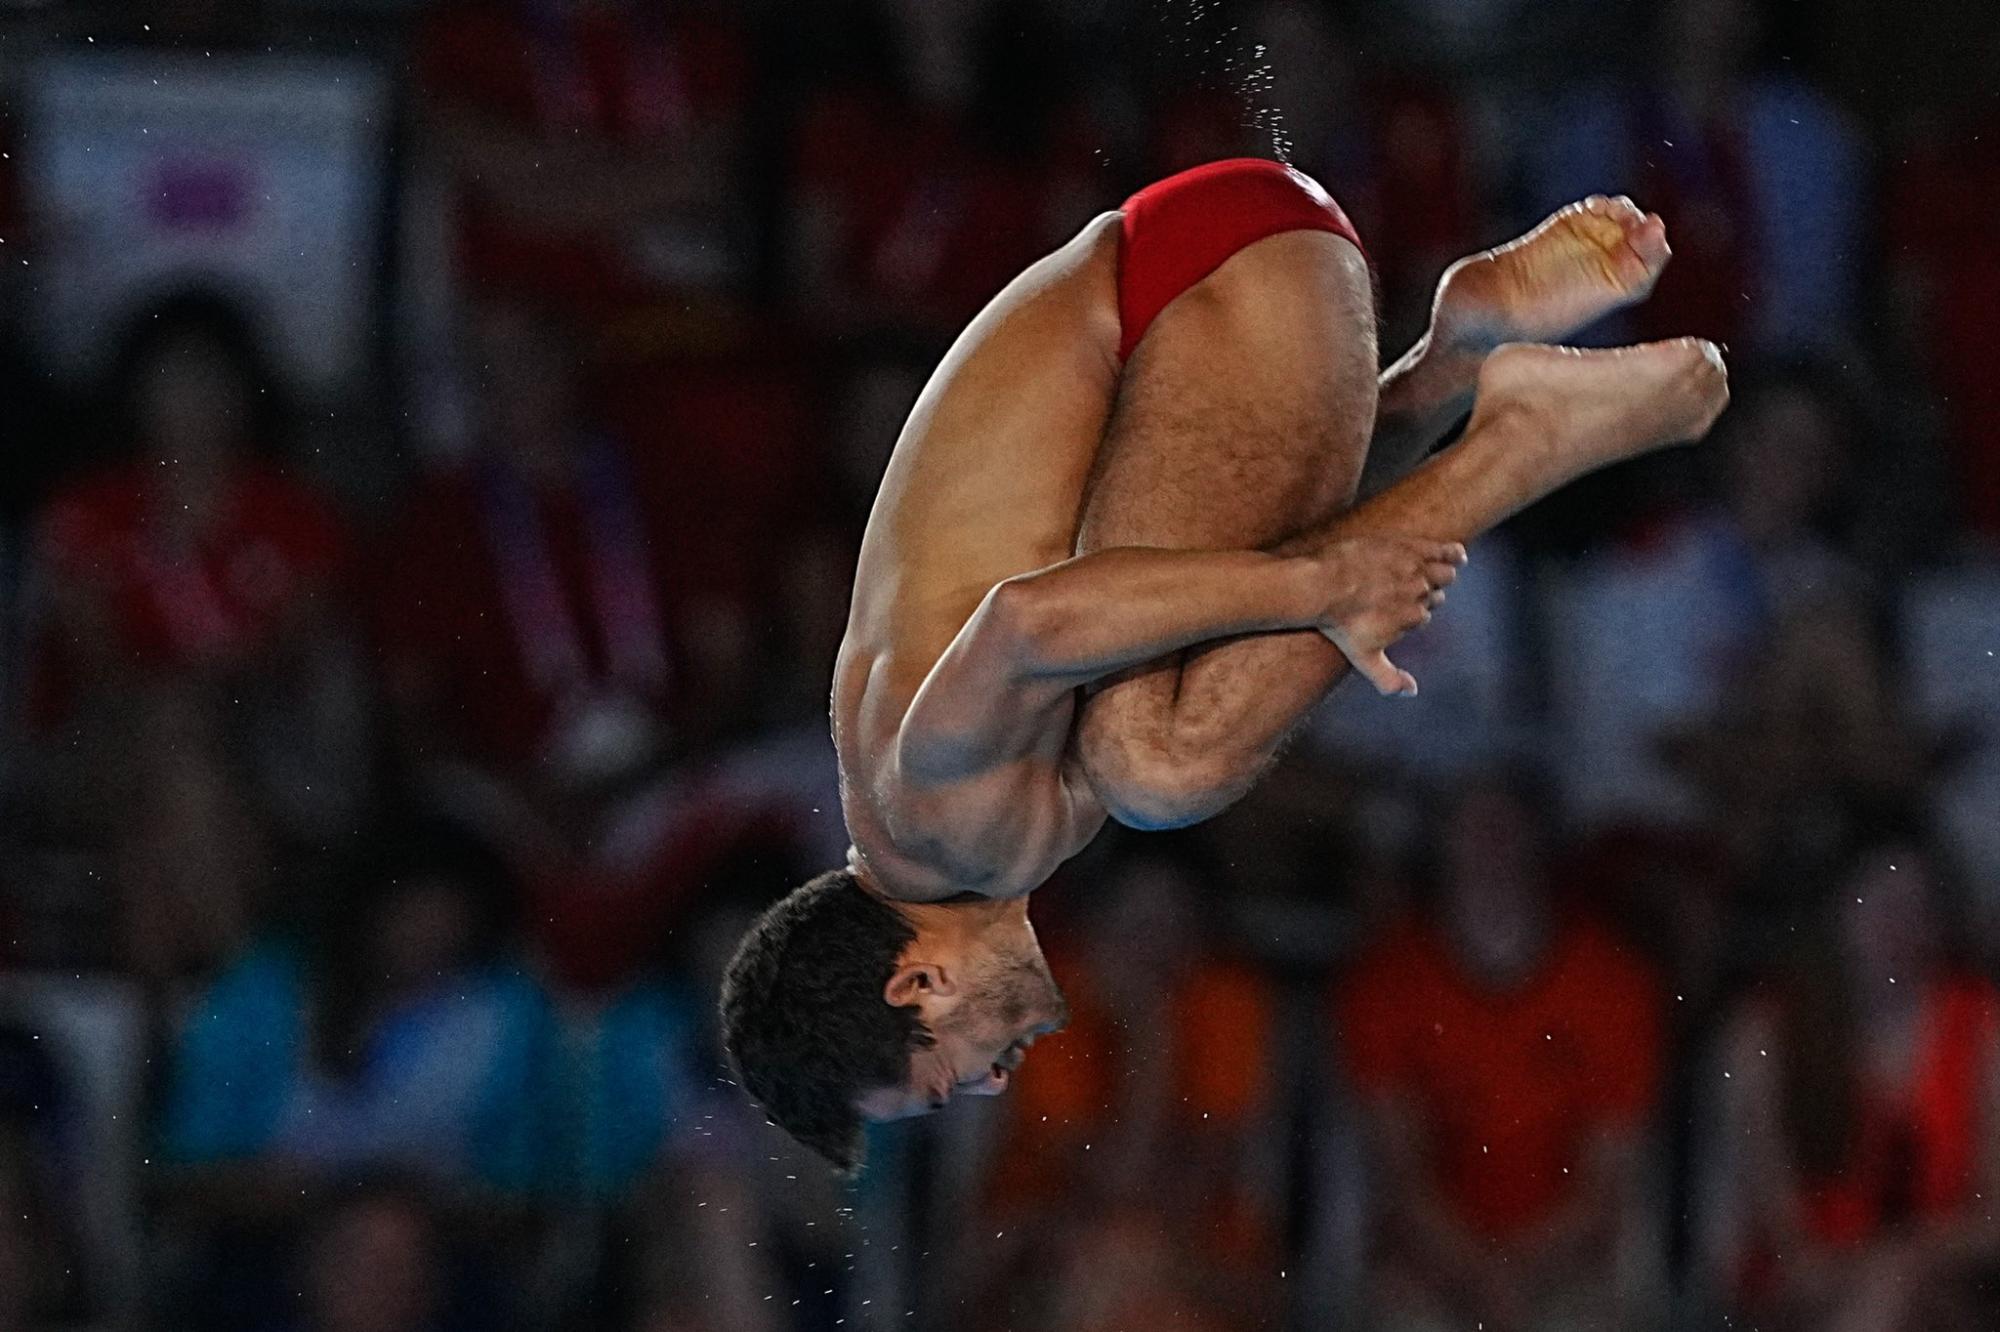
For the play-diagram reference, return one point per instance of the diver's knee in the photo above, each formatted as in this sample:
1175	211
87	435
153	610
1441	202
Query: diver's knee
1154	787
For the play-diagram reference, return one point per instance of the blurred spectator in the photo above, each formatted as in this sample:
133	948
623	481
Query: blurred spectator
1496	39
193	845
192	554
713	1220
1676	894
1510	1056
1677	616
192	566
1950	654
1141	1153
566	616
398	1035
1853	1134
585	596
405	1035
521	602
642	1060
946	152
1942	239
1791	466
188	686
595	146
374	1264
634	1075
1759	176
1815	734
692	1251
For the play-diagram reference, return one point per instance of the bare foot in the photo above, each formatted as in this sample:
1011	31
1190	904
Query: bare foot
1580	264
1600	407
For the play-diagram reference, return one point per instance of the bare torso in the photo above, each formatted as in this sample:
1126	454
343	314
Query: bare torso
987	481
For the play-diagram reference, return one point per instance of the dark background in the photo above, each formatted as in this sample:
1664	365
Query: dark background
437	438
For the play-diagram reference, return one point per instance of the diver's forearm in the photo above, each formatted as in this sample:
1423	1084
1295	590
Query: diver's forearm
1101	613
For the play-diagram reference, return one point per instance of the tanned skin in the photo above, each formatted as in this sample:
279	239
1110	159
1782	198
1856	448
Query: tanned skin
1006	683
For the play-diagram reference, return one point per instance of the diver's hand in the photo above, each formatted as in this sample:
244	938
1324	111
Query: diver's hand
1377	590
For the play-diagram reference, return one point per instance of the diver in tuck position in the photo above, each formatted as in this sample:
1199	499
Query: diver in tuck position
1118	553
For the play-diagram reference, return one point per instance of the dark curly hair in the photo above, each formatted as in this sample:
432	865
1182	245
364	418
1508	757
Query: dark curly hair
803	1018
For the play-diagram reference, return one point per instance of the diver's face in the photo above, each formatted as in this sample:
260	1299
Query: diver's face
983	1016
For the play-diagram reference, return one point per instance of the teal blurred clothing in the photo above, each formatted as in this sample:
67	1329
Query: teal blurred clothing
455	1082
636	1092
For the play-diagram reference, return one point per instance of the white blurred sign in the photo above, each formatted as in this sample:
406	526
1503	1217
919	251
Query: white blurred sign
258	177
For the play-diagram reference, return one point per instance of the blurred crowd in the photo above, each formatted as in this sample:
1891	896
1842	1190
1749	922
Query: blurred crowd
400	728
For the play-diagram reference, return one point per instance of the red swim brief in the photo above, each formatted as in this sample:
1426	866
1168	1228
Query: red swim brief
1180	230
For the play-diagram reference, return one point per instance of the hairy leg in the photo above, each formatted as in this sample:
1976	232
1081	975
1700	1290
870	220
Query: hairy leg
1242	420
1545	416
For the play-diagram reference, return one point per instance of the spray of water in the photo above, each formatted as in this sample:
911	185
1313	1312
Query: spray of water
1200	34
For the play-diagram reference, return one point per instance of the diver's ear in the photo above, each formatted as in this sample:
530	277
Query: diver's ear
911	982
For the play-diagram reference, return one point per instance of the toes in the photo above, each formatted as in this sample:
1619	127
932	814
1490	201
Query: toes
1618	207
1649	241
1703	356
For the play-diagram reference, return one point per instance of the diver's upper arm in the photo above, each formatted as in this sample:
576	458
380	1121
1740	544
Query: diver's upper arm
986	701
